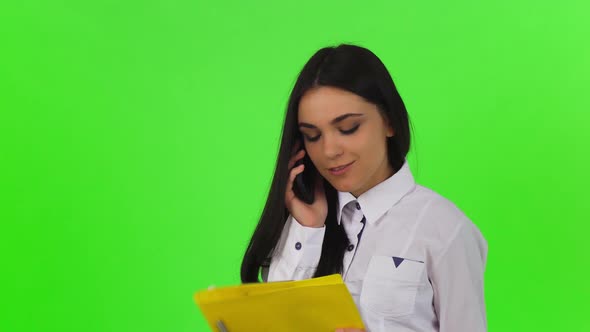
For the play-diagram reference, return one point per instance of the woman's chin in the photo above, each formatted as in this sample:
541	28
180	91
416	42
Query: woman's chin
342	186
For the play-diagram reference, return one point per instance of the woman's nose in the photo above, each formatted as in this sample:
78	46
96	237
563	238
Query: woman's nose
332	147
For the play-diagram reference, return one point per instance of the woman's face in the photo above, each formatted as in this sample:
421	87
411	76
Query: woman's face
340	128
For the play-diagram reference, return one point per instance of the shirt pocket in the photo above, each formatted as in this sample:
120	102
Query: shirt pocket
390	285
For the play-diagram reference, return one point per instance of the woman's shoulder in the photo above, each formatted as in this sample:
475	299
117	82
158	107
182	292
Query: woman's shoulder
436	211
440	222
425	198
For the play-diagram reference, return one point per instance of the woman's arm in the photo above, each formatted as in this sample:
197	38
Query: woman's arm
457	280
298	252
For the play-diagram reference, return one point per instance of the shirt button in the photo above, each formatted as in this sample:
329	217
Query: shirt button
358	206
298	245
350	247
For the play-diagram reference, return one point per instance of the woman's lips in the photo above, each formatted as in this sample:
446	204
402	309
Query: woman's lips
341	169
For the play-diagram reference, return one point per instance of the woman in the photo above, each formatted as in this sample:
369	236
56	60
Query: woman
410	258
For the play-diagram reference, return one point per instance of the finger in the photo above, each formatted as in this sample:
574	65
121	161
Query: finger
294	172
295	158
289	194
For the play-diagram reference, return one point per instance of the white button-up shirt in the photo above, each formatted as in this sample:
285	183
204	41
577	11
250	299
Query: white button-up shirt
418	266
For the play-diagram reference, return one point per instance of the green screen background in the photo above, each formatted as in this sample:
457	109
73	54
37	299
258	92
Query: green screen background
138	140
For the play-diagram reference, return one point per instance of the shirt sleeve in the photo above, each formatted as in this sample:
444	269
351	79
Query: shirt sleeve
298	252
457	280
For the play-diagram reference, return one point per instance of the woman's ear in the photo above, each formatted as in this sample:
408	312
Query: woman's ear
389	131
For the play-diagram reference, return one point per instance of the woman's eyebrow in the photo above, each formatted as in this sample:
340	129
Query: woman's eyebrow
333	122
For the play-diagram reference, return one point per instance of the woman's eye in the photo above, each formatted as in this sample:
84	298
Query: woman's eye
344	132
350	131
312	139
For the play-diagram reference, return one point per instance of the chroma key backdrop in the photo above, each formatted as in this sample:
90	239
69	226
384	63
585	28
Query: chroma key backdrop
138	141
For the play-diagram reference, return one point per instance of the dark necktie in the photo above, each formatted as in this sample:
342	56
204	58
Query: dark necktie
364	221
351	246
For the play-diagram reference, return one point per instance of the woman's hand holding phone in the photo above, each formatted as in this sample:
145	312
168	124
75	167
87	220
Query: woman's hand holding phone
309	215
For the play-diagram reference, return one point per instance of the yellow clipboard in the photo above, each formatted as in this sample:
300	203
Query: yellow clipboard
312	305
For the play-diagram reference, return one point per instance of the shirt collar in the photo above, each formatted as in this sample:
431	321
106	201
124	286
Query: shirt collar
379	199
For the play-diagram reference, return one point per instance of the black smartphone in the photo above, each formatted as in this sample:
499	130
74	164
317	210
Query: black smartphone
304	184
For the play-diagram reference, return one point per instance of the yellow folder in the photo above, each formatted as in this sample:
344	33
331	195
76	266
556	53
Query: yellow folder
312	305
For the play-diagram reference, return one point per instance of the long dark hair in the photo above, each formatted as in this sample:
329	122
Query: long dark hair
354	69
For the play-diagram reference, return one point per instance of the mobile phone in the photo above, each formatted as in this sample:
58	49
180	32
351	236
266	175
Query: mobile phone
304	184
